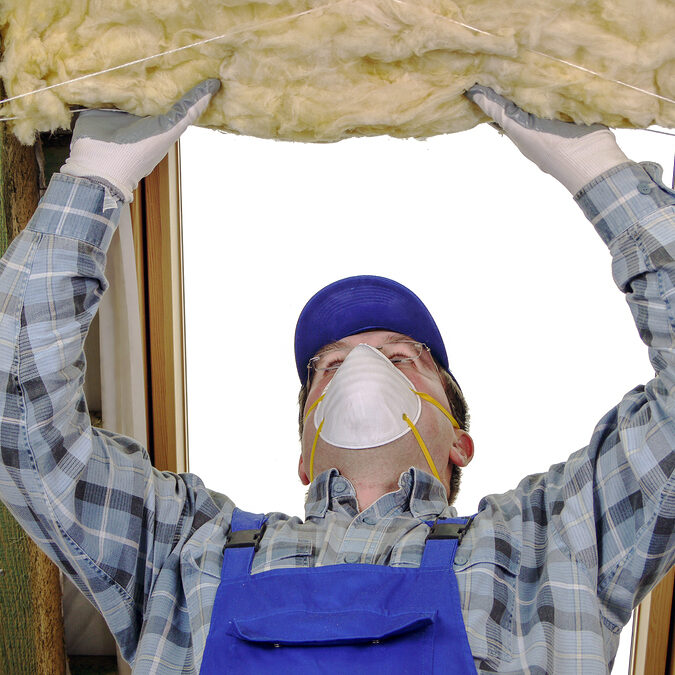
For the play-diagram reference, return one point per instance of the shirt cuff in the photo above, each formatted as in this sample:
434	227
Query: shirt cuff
76	208
623	196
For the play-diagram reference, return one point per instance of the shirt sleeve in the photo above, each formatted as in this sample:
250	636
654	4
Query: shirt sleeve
613	502
89	498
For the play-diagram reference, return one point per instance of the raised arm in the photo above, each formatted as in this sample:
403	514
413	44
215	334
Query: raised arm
613	503
89	498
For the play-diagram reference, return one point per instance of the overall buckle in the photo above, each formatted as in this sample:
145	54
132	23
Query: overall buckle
449	530
243	538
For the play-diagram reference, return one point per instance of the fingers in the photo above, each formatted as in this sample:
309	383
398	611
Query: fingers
515	120
127	147
500	109
480	94
575	154
488	100
100	124
192	104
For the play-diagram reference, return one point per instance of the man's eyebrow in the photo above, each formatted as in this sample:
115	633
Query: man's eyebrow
332	345
392	337
397	337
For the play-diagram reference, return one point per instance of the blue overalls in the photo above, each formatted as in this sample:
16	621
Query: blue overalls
337	618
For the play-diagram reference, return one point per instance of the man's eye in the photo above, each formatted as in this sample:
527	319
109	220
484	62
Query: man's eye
333	364
397	358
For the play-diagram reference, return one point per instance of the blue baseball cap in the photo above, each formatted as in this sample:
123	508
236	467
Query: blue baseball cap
358	304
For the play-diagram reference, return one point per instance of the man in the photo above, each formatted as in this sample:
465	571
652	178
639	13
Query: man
380	576
353	312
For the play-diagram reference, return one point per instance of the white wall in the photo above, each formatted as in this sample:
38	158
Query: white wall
538	336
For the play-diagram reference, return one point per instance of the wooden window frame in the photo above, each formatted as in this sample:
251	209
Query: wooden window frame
653	646
156	224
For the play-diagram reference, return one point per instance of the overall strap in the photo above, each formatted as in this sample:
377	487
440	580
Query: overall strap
442	541
246	532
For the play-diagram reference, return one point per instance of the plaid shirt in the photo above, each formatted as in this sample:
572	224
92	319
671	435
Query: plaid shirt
548	572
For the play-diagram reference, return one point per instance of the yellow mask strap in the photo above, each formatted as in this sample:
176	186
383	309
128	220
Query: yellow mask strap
311	457
423	447
433	401
311	407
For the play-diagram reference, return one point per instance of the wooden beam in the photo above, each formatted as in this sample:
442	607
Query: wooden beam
31	623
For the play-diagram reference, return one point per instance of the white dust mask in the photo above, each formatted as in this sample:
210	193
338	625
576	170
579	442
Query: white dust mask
363	405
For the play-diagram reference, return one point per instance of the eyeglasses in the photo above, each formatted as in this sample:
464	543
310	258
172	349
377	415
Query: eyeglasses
398	352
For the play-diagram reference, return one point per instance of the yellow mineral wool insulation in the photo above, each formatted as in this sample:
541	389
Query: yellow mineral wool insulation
323	70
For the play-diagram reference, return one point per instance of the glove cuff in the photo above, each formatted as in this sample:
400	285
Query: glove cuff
110	189
93	165
584	159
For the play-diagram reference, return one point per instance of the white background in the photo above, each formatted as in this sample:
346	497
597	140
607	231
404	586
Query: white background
538	336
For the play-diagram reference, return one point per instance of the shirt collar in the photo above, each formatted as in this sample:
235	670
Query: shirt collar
419	492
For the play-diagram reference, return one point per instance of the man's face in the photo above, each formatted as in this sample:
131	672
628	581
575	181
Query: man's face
443	441
422	372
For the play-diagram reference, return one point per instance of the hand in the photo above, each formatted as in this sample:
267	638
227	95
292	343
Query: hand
575	154
118	149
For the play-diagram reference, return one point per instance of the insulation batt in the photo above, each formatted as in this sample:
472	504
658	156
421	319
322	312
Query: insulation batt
345	68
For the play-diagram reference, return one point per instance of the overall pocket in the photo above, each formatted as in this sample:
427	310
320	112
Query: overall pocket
328	628
353	641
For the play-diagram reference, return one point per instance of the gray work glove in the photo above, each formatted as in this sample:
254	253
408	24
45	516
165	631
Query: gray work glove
575	154
117	149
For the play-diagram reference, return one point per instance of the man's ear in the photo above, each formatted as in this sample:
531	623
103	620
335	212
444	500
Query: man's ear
461	451
301	471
